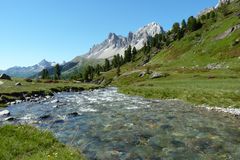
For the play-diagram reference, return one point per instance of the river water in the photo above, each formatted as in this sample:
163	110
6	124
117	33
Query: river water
105	124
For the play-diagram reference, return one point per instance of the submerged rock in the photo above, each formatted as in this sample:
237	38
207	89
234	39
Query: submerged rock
55	101
10	119
58	121
73	114
44	117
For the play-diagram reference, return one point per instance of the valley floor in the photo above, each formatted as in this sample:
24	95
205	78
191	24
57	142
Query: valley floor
215	88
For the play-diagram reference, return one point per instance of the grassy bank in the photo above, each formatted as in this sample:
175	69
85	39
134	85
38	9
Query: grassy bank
214	88
9	92
28	143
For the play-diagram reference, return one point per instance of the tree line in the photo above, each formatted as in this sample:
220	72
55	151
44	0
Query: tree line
56	76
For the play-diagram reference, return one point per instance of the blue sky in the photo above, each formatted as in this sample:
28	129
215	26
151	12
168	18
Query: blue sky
57	30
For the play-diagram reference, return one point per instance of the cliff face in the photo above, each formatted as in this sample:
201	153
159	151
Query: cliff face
117	44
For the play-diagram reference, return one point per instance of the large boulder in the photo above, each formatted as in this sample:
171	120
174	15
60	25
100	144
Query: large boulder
4	76
18	84
5	113
158	75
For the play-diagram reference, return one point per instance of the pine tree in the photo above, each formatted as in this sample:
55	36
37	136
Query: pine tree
118	71
86	74
193	24
98	69
184	26
128	55
134	53
57	72
45	74
107	66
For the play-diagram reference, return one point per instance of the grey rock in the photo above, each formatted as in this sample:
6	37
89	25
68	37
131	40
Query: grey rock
55	101
44	117
5	113
18	84
116	44
18	101
58	121
12	103
142	74
228	32
158	75
48	97
10	119
5	76
73	114
55	106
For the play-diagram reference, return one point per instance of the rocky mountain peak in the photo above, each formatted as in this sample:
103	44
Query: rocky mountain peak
220	2
116	44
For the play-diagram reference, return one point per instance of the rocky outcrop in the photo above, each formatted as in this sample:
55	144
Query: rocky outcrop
18	84
228	32
221	2
117	44
158	75
5	76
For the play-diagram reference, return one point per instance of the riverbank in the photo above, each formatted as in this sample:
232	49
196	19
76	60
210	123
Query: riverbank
26	142
105	124
10	93
209	87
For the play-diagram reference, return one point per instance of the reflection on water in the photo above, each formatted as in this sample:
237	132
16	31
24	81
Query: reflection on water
104	124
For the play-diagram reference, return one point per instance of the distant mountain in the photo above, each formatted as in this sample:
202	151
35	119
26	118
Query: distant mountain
24	72
117	44
114	44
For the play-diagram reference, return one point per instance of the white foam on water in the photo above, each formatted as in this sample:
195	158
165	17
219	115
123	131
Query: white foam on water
87	110
132	108
27	117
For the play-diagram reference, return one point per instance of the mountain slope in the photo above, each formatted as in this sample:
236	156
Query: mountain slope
115	44
201	68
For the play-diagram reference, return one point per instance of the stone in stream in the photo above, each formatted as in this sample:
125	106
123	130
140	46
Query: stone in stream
18	101
10	119
48	97
5	113
73	114
58	121
44	117
55	106
55	101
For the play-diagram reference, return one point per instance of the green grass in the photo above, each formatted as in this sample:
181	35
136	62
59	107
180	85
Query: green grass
9	86
12	92
214	89
28	143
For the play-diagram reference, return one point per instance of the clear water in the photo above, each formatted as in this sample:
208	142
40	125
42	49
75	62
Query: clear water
113	126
